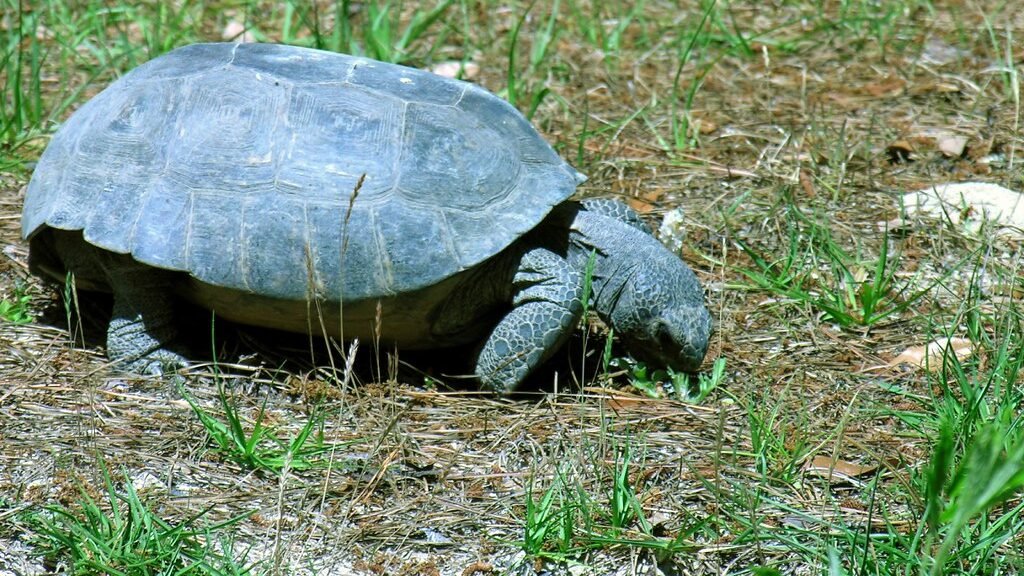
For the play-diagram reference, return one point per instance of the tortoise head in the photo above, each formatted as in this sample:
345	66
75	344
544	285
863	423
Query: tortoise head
675	336
657	309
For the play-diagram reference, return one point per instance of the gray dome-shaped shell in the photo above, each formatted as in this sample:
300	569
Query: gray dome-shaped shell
237	163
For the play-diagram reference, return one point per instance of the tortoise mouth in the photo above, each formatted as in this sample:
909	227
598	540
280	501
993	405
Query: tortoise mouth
687	360
681	348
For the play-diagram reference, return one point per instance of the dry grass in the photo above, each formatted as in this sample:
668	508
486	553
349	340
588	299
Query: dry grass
813	430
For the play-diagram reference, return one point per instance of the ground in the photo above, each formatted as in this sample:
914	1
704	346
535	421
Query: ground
821	437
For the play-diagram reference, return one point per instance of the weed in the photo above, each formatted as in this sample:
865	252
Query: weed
549	520
661	382
567	520
967	491
961	489
21	105
972	482
648	381
623	504
607	31
778	445
514	90
18	308
688	48
261	448
588	286
72	309
706	383
1010	75
631	78
858	292
120	535
381	37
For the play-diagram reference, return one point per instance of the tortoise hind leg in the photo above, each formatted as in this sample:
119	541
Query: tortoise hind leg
547	306
142	326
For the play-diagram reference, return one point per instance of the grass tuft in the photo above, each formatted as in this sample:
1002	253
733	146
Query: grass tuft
849	289
119	535
18	308
259	447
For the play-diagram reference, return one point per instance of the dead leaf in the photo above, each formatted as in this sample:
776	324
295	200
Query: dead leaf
836	470
640	205
620	402
885	88
704	126
842	100
930	356
478	567
899	152
932	88
807	184
950	144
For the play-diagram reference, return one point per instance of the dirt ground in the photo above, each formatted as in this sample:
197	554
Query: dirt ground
791	129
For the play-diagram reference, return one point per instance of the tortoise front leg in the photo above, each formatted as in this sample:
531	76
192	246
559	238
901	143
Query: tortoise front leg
547	306
617	210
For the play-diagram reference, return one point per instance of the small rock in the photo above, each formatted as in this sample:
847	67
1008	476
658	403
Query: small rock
939	53
235	31
435	537
147	481
952	146
456	69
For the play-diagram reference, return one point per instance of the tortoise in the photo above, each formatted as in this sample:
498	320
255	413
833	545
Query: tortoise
312	191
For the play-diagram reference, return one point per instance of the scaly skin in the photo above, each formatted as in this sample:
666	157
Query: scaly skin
617	211
547	306
142	325
649	297
645	293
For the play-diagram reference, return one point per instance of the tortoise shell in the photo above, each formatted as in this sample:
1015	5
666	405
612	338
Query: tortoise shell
240	164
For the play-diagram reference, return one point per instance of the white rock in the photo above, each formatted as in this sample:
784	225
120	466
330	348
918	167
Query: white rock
673	230
970	204
144	481
451	69
235	31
